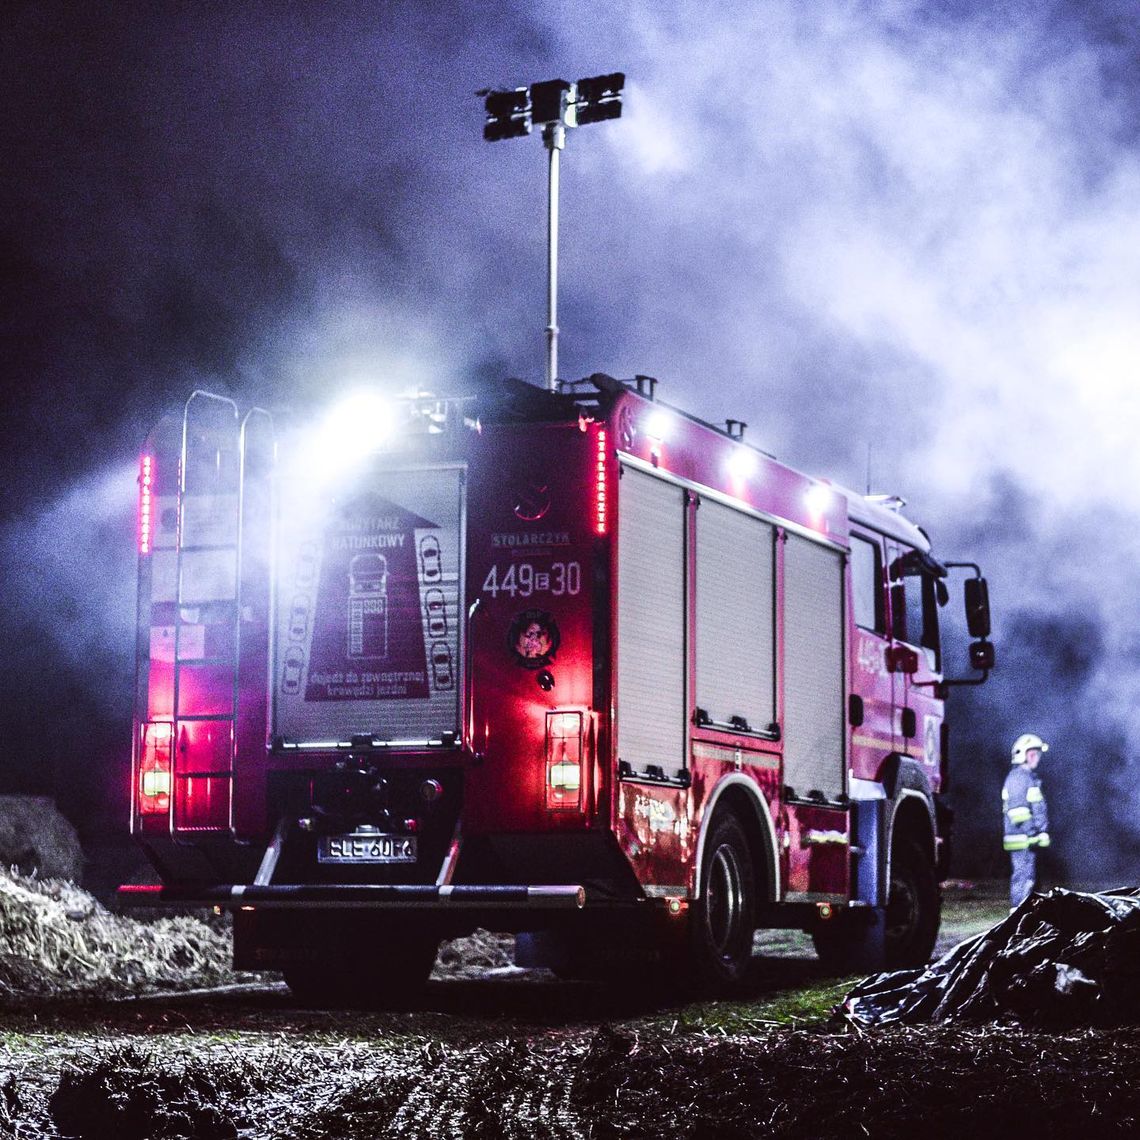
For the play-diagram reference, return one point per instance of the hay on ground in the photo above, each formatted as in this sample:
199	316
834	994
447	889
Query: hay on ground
57	941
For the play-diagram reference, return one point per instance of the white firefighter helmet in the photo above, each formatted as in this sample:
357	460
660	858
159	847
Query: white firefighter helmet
1024	744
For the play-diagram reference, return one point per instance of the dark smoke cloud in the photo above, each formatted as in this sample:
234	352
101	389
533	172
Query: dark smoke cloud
1068	670
67	618
1050	665
896	237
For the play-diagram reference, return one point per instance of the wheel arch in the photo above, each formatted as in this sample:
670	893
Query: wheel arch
740	796
911	815
912	820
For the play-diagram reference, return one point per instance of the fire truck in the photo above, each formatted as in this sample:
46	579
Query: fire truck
569	664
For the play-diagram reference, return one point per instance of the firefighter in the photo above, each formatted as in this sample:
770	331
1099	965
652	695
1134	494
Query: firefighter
1024	815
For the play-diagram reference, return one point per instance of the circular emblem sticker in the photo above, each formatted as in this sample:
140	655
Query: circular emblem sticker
533	639
532	500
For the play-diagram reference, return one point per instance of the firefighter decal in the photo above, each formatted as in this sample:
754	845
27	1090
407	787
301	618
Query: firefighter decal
533	639
368	633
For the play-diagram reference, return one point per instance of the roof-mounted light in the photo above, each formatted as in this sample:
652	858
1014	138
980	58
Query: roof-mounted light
818	499
363	421
741	463
353	429
658	424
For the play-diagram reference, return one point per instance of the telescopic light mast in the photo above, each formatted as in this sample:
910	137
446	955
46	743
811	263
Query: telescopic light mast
554	105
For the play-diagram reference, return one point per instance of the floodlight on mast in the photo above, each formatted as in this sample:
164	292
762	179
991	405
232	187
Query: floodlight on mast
554	105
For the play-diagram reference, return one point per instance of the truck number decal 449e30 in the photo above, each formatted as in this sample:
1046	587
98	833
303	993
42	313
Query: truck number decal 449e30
521	580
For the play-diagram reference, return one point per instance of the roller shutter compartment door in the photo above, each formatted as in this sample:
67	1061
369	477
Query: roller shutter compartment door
651	623
735	617
813	668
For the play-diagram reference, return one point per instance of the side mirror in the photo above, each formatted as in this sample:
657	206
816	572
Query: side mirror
981	650
977	609
982	655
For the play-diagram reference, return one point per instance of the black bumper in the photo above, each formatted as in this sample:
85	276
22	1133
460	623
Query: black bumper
368	897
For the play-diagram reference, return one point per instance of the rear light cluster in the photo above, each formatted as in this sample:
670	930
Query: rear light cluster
146	503
600	484
155	767
565	759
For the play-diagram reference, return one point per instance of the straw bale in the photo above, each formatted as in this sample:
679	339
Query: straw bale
37	840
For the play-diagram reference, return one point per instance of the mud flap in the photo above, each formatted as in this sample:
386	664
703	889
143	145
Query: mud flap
869	951
854	941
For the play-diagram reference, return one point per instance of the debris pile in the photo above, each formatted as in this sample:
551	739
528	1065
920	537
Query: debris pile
475	956
1062	959
57	941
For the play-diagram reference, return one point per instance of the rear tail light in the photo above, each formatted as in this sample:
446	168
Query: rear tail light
564	760
155	767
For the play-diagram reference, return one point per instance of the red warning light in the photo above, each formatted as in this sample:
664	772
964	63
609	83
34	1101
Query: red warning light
146	503
155	767
600	484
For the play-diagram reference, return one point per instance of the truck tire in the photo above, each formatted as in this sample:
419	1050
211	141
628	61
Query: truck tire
914	909
722	921
392	981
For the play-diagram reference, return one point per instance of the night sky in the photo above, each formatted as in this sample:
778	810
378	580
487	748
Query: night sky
901	240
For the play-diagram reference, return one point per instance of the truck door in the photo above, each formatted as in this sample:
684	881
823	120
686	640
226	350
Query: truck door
914	626
872	683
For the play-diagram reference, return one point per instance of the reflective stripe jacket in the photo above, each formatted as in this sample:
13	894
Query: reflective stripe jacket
1025	818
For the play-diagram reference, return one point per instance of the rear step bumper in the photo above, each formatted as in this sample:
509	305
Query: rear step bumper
386	897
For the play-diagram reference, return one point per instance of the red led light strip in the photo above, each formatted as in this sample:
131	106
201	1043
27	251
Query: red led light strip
600	485
146	502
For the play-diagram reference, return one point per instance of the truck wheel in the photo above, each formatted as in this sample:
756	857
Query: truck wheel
723	919
914	910
391	981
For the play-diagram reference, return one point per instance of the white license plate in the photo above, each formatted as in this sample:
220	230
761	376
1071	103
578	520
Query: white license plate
366	847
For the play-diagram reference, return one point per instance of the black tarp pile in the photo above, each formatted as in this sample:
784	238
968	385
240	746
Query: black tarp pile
1062	959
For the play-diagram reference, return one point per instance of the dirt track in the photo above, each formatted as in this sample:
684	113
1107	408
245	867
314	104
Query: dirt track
499	1059
521	1056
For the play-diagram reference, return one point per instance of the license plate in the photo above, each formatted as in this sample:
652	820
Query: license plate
367	847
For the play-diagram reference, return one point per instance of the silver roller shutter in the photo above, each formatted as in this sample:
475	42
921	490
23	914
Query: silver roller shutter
813	668
651	623
735	616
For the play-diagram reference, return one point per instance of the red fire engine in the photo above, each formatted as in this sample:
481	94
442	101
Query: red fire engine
570	664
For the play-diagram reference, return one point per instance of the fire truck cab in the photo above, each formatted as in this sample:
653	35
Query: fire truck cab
569	664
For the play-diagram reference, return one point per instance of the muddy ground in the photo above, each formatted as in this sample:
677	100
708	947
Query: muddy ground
493	1052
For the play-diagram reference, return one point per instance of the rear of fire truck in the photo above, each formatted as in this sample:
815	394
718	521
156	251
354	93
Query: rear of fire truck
367	713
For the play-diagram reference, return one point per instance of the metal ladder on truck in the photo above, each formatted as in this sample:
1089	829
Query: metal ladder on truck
221	633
